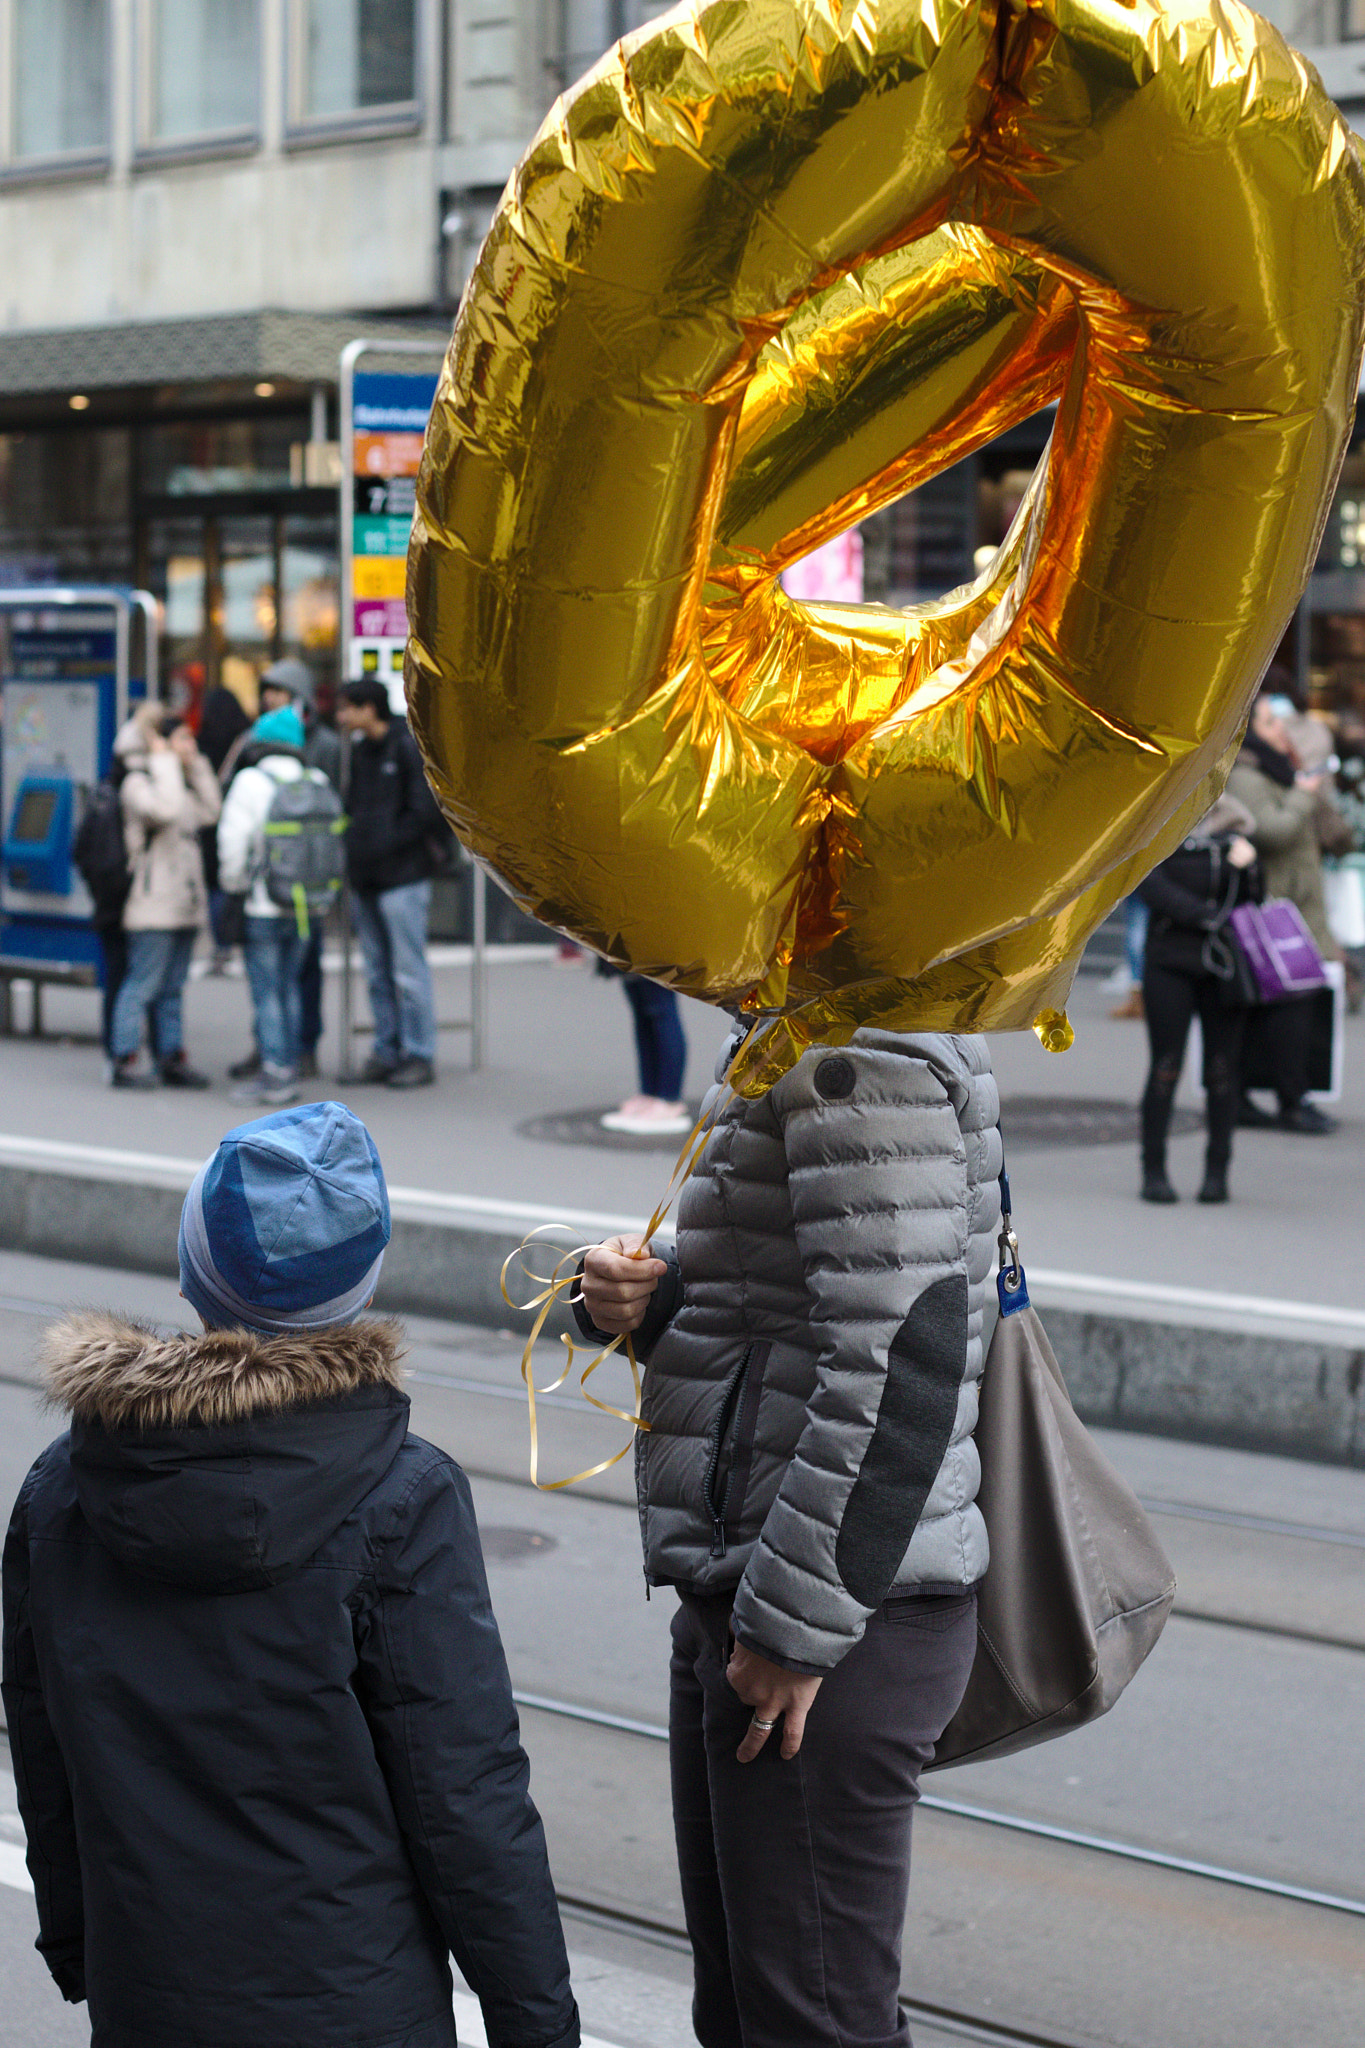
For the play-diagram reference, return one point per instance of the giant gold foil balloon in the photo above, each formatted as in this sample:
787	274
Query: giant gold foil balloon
763	270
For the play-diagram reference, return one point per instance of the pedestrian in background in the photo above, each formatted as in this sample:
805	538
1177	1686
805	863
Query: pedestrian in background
264	1741
1191	896
167	796
808	1483
392	851
1283	800
222	723
1135	920
273	944
660	1058
291	682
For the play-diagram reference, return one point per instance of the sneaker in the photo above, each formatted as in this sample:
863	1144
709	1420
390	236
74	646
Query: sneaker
308	1066
1156	1188
645	1116
376	1069
411	1074
247	1069
273	1088
1131	1006
176	1072
1308	1120
130	1073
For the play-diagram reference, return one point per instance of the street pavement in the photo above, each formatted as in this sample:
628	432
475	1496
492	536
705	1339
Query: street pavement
1237	1747
559	1043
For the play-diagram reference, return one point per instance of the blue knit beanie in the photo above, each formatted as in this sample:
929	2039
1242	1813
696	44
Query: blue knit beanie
284	727
284	1228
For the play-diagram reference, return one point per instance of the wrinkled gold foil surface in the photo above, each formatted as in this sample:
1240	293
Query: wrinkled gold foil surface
765	269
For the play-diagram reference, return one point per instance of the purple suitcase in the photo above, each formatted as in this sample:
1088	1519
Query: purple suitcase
1280	948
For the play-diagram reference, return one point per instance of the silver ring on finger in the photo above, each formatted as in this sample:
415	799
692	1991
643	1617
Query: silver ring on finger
764	1725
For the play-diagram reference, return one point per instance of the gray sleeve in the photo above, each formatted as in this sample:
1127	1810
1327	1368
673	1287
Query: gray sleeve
881	1209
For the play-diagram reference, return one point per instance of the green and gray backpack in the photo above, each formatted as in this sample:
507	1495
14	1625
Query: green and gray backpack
305	854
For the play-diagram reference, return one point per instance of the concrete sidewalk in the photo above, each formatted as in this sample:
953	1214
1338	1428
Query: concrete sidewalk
1241	1324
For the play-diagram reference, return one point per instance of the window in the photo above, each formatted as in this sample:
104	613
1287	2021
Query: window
202	68
61	77
352	59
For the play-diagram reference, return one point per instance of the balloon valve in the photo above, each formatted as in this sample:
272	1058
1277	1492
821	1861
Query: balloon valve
1055	1033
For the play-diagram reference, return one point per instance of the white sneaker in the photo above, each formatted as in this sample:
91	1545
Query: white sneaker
644	1116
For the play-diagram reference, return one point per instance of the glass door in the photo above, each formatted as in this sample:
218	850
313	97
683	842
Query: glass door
310	615
175	572
243	602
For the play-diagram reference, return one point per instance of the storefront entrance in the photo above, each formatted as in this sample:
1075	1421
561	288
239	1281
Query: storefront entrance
243	583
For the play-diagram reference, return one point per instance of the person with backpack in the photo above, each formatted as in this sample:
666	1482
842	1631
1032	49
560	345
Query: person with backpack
100	854
395	844
280	846
264	1740
167	795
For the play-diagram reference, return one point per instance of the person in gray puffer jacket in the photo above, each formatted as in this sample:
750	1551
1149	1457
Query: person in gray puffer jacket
808	1483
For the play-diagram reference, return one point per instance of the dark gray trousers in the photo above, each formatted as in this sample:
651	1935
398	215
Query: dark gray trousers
794	1875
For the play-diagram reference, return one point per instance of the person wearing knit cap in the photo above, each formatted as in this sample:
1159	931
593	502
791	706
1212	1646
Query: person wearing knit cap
292	681
264	1739
273	947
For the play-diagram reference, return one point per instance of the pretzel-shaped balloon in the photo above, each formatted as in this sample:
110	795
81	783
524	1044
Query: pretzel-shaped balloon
766	268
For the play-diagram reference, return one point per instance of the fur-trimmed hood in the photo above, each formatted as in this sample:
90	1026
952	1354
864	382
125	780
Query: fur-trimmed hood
224	1460
125	1375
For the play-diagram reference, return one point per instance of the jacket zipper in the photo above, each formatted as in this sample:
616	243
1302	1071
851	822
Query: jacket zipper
728	1407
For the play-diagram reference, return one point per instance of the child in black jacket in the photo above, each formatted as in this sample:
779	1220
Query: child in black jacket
263	1733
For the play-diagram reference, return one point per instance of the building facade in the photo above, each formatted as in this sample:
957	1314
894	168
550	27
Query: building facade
202	201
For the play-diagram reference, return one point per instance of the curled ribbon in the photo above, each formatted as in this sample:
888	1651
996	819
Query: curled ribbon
558	1284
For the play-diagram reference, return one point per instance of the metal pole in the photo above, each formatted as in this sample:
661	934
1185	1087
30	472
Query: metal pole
478	979
1303	645
350	356
346	498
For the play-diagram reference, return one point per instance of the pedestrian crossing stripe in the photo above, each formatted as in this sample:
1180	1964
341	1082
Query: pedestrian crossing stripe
13	1869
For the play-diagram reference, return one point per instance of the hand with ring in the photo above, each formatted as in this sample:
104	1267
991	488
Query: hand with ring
774	1694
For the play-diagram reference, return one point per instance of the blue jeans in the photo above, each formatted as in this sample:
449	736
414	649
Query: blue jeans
1135	916
392	929
273	954
158	963
660	1048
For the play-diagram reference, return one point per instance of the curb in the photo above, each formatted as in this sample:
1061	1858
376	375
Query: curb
1238	1370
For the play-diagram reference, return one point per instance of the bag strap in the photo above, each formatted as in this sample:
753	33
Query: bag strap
1011	1284
1229	903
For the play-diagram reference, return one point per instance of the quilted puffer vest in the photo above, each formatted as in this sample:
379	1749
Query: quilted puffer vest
812	1397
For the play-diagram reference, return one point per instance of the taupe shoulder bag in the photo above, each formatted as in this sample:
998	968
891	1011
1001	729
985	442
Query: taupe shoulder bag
1078	1587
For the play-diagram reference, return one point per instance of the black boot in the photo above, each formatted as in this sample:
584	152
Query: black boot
1156	1187
1215	1188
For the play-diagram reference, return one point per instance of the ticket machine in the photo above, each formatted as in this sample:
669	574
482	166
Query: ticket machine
66	682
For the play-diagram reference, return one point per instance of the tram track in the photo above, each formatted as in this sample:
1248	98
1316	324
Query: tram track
949	2021
1189	1511
962	1809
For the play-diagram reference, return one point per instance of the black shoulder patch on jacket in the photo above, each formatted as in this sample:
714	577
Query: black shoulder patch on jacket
914	1428
834	1079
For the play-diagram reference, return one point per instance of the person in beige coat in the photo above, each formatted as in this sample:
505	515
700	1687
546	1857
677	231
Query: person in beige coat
1284	800
168	794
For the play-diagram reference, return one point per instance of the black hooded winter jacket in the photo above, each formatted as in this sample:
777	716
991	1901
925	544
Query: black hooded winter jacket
263	1733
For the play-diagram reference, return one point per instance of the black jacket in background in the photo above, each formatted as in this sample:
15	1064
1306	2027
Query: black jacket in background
395	821
1190	894
263	1733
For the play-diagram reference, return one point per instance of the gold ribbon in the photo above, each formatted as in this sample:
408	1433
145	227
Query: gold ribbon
558	1285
